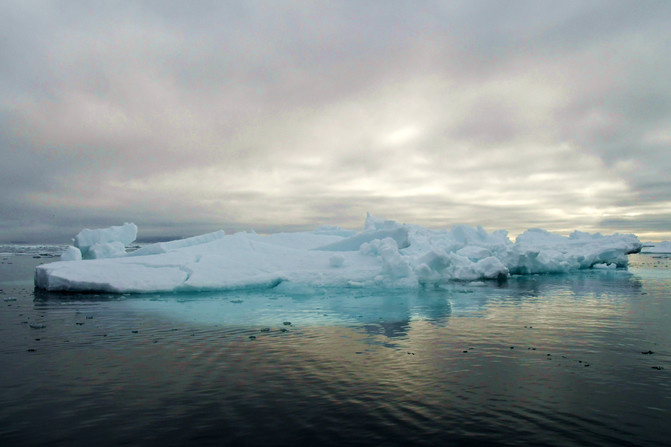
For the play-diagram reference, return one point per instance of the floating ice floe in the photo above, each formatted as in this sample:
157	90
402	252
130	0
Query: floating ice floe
384	254
663	247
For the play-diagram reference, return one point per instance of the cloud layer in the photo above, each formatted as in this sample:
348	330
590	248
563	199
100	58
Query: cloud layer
186	118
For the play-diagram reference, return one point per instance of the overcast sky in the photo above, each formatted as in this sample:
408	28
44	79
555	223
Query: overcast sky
186	117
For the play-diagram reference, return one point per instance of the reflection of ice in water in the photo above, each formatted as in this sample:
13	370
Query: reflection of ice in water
315	307
391	309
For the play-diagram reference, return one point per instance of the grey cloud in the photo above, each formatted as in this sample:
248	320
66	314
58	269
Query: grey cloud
99	96
647	226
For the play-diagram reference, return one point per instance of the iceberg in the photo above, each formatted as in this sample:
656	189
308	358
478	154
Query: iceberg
385	254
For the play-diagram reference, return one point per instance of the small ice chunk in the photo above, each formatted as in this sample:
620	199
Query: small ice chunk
491	268
393	263
124	234
71	254
434	260
336	260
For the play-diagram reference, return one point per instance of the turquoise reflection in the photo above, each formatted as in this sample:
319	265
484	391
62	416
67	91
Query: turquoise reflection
391	310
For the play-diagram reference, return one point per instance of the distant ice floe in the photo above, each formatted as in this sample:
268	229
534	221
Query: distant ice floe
656	247
385	254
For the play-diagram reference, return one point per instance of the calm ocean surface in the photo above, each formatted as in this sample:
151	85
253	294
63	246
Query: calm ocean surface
581	360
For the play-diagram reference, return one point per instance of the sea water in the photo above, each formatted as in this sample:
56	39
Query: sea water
579	359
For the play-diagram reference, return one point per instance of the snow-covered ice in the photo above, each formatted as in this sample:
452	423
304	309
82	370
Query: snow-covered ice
385	254
101	243
71	254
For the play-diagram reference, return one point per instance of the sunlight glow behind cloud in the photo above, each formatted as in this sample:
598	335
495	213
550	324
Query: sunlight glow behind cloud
189	118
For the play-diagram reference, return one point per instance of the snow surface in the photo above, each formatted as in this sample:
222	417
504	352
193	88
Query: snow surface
386	254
